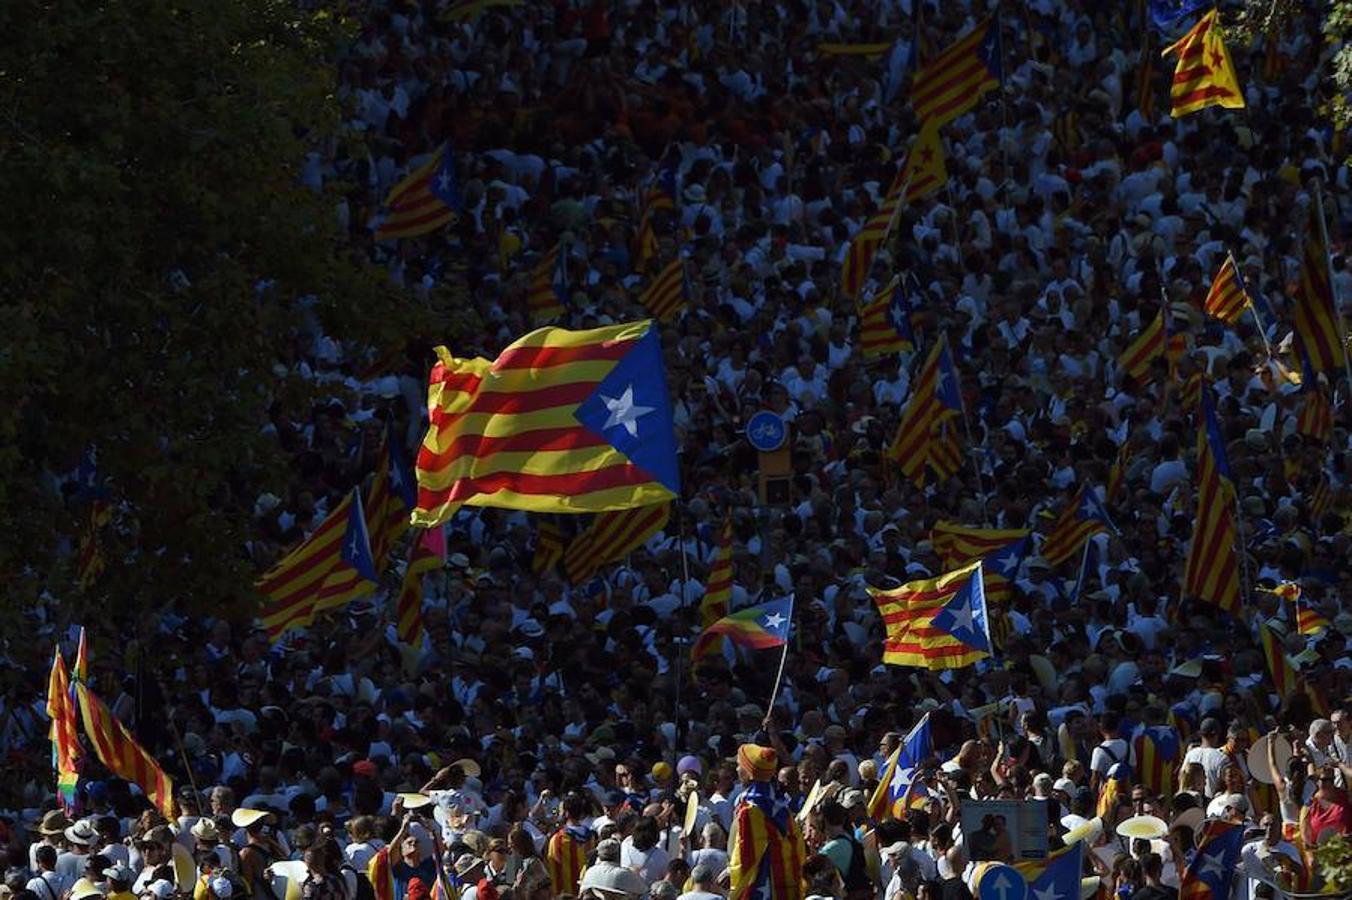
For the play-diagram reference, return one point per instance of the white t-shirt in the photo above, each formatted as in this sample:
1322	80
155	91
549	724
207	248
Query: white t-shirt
1108	753
650	865
1212	760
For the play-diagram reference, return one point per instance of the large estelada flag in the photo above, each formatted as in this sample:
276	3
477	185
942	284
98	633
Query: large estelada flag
562	421
936	623
424	201
1313	312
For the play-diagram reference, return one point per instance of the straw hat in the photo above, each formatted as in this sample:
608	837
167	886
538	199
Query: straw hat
1145	827
244	817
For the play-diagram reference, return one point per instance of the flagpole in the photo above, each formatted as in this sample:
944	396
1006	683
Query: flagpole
1253	308
676	638
779	675
1084	566
976	462
1333	286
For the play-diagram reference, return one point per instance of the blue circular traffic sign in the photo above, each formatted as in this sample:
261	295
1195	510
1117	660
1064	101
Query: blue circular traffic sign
1001	882
766	431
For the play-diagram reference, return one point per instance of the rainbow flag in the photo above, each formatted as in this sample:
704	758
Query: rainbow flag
610	537
757	627
1211	571
936	623
953	82
67	753
424	201
1204	75
124	757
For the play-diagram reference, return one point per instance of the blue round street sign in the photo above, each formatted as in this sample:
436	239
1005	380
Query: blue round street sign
766	431
1001	882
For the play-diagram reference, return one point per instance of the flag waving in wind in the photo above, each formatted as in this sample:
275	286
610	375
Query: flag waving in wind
1212	868
1204	75
424	201
953	82
757	627
1212	569
1082	519
1227	298
936	396
66	749
562	421
898	777
936	623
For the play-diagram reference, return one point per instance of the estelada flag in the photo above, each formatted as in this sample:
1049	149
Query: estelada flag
562	421
936	623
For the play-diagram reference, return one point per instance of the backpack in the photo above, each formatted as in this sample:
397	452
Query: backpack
857	882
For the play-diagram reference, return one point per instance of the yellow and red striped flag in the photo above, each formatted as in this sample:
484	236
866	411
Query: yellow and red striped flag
936	623
1002	550
885	322
765	847
1117	473
1316	417
945	450
1211	571
655	199
390	499
951	84
89	560
1204	75
1227	298
565	858
330	568
935	396
1313	312
562	421
81	670
1145	80
424	201
548	289
926	169
1321	497
610	537
425	555
1190	394
1158	749
667	294
1081	520
1138	358
548	547
67	752
717	600
1310	621
123	756
1285	678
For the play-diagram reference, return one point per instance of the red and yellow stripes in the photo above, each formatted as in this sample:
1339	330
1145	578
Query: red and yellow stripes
1309	621
565	858
1155	761
1313	312
414	208
118	750
645	245
611	536
952	83
386	508
908	613
878	336
958	544
546	280
1070	532
911	447
425	555
381	876
1227	299
89	560
1117	473
926	170
1136	360
1211	571
666	296
945	450
504	432
758	853
717	600
1204	75
1316	417
548	547
1285	678
66	748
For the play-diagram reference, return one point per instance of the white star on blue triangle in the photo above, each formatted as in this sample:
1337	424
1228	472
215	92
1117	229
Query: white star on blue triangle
356	550
917	747
400	482
1060	880
964	617
631	409
1006	560
946	385
1091	510
445	185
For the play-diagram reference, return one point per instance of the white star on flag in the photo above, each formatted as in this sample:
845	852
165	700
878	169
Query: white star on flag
1008	564
1047	893
443	181
1212	865
962	617
352	547
624	412
901	778
773	621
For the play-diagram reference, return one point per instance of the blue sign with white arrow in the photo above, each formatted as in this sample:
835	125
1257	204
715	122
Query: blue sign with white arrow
1001	882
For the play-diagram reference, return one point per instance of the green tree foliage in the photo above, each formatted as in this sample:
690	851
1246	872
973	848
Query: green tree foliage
149	156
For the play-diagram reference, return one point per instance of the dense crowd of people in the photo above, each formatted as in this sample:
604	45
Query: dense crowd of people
545	738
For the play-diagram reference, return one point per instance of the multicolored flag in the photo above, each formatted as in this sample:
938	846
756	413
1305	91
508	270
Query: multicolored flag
67	754
885	322
717	600
89	560
123	756
936	623
1139	357
1309	621
1211	571
756	627
80	672
765	849
935	396
897	781
1285	677
561	421
953	82
945	450
1204	75
957	544
424	201
1058	877
548	546
926	169
667	294
548	289
610	537
426	554
1081	520
1211	871
1158	748
320	572
1313	312
1227	299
